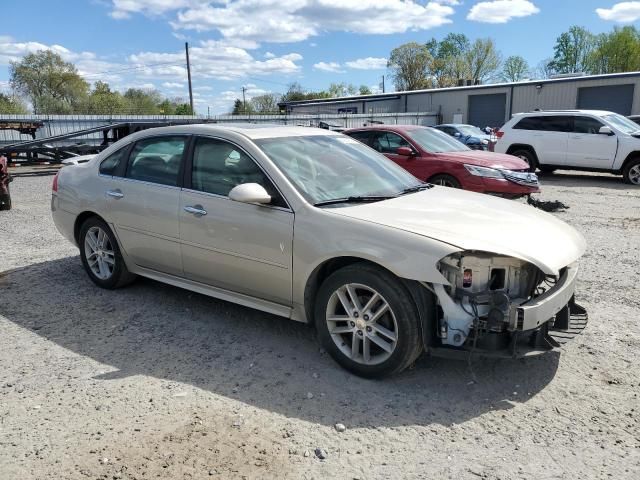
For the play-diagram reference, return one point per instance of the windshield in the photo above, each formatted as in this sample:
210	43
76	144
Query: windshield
471	130
329	167
622	123
434	141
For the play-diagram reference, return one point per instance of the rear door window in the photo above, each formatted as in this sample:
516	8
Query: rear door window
157	160
388	142
361	136
110	164
547	123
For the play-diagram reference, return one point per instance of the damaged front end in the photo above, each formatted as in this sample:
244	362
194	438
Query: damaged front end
504	306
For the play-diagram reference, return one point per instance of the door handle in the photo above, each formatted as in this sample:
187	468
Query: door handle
115	193
197	210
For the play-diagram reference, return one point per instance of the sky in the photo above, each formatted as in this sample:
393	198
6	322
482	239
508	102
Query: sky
263	45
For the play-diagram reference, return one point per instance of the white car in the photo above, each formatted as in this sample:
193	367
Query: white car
590	140
315	226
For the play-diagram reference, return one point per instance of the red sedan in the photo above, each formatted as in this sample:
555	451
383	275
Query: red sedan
435	157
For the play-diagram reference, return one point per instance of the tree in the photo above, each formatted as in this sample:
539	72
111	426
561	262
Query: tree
449	65
51	84
104	101
11	104
143	102
183	109
482	59
265	104
573	51
411	64
544	69
341	90
618	51
364	90
515	69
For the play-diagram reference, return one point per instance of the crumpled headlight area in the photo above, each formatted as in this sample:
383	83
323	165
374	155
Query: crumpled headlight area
483	293
485	172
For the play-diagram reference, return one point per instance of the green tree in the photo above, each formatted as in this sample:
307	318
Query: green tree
183	109
618	51
573	51
341	90
515	69
482	59
143	102
11	104
104	101
411	64
545	69
449	64
51	84
364	90
265	104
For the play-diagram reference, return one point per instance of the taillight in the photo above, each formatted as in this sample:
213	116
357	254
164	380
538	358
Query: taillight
54	187
499	134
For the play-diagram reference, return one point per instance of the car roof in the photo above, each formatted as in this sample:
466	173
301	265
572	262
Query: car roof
390	128
597	113
455	125
249	130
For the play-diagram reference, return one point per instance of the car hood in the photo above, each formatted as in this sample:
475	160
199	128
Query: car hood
472	221
486	159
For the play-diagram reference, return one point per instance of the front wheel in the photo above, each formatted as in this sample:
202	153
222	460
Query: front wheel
367	321
631	173
101	255
445	181
528	156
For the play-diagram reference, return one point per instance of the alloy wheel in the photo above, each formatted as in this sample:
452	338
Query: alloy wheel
99	253
362	324
634	174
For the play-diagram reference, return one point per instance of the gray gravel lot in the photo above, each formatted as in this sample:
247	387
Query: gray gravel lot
153	381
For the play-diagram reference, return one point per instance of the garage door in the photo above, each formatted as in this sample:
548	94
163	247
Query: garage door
615	98
487	110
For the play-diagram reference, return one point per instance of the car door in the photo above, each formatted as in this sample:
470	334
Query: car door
589	148
547	134
144	197
388	143
235	246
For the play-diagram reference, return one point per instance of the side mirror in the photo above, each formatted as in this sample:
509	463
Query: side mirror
605	131
405	152
457	134
250	193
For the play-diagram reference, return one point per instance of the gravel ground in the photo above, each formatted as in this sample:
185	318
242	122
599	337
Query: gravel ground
153	381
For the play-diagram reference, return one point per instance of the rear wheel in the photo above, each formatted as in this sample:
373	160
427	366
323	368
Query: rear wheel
367	321
547	169
445	181
631	172
101	255
528	156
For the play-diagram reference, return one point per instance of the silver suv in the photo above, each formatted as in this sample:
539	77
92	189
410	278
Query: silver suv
591	140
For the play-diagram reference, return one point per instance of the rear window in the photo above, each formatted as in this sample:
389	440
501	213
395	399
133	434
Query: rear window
547	123
361	136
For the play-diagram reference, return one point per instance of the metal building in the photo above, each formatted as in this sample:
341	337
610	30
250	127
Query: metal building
492	105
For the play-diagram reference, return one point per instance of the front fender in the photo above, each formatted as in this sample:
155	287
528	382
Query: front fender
407	255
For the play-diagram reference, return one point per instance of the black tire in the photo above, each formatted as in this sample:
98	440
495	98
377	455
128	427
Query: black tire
5	201
120	275
445	180
528	156
408	346
629	172
545	169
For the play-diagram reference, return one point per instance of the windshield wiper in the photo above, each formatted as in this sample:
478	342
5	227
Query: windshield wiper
416	188
354	199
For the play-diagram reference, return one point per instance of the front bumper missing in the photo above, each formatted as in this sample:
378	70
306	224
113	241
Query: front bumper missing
565	326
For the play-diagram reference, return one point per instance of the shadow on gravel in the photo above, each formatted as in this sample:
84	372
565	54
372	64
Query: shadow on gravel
567	178
265	361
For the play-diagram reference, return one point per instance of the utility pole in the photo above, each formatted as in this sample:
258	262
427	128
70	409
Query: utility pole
186	47
382	83
244	101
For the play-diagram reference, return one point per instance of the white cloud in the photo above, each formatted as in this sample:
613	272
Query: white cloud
123	9
369	63
269	55
328	67
173	85
501	11
623	12
296	20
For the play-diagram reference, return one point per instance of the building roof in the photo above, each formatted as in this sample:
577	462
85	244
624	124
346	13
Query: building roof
391	95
